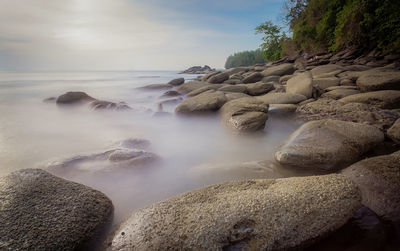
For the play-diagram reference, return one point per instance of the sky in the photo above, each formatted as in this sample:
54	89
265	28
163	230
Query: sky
51	35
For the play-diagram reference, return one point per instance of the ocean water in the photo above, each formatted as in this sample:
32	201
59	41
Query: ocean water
194	151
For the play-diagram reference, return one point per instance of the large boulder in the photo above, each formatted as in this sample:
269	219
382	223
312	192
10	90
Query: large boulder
205	88
328	70
244	114
264	214
324	83
253	77
387	99
218	78
301	83
39	211
340	93
328	144
190	86
74	98
379	181
177	81
279	70
205	102
259	88
394	131
282	98
376	80
356	112
234	88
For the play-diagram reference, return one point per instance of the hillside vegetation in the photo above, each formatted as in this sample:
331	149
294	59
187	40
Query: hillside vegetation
245	58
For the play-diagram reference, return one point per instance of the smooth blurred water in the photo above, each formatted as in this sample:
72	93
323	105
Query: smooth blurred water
195	151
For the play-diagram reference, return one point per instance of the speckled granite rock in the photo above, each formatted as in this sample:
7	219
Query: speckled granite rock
39	211
379	181
245	215
328	144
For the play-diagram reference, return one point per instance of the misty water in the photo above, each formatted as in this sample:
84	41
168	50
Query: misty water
194	151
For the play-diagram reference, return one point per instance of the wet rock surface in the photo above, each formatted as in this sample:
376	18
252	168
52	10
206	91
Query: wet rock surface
205	102
39	211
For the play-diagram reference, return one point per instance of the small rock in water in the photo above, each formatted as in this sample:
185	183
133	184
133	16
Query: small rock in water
74	98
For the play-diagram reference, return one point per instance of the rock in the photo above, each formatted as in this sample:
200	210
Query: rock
356	68
197	70
233	71
253	77
134	143
206	102
300	84
310	100
74	98
284	79
39	211
205	88
232	81
101	105
50	100
269	79
279	70
233	88
339	93
387	99
282	98
355	112
177	81
394	131
156	87
170	94
209	75
172	101
218	78
190	86
259	88
243	215
328	144
235	95
379	181
326	70
347	82
348	87
324	83
244	114
282	108
375	81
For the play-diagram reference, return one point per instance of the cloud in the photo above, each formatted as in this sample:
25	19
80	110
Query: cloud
118	34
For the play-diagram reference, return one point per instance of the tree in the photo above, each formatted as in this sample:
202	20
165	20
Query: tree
245	58
272	40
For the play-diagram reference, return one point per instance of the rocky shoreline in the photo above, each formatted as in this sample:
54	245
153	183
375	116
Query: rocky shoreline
350	105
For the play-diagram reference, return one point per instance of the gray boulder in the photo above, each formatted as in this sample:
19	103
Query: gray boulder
234	88
328	70
328	144
301	83
375	81
282	108
259	88
205	88
379	181
339	93
394	131
388	99
253	77
205	102
282	98
235	95
279	70
177	81
324	83
190	86
74	98
218	78
268	79
170	94
243	215
39	211
244	114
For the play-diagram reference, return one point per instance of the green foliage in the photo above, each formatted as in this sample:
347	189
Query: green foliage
337	24
272	40
245	58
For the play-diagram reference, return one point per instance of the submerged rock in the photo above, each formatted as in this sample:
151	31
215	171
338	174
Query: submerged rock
39	211
176	82
379	181
244	114
74	98
328	144
254	214
205	102
99	105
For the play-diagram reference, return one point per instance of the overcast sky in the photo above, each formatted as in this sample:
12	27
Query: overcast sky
128	34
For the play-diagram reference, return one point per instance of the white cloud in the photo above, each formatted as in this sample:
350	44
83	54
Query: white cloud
103	34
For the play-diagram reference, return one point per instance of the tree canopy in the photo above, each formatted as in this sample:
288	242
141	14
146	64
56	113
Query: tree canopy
245	58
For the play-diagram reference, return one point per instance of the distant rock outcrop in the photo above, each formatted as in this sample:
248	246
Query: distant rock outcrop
198	70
